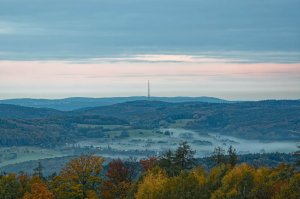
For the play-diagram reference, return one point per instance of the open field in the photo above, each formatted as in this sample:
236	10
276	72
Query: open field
13	155
203	143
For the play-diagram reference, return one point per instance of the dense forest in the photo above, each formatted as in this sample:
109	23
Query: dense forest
174	174
52	131
54	165
263	120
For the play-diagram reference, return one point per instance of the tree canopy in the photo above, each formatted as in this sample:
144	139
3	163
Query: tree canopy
173	175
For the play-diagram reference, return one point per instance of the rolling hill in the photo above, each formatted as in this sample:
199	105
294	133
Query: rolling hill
263	120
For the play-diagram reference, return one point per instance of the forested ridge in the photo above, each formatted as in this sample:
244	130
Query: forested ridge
174	174
262	120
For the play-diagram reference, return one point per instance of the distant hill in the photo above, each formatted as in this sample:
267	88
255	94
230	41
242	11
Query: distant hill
73	103
17	112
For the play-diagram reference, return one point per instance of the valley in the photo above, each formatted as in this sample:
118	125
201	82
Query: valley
141	143
138	129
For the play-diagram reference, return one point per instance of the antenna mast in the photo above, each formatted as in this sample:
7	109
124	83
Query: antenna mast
148	89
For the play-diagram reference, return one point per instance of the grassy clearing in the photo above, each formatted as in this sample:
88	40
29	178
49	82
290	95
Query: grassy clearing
144	133
106	127
15	155
113	127
113	133
135	133
180	123
88	125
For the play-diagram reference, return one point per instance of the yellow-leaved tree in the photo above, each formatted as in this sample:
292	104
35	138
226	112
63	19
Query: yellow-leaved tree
80	178
152	185
190	185
237	183
291	190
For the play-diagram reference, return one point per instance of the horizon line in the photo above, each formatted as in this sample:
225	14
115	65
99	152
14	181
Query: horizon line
146	97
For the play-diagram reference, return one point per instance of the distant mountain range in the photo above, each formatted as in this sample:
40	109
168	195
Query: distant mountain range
74	103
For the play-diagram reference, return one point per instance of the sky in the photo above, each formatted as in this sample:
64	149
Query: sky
231	49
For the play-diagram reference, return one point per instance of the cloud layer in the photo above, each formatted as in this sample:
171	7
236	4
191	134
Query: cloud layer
68	29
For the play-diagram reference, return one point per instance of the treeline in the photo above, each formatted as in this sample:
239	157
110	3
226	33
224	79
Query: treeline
53	131
175	174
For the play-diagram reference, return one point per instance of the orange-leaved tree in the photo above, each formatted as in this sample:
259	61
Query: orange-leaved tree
149	163
38	190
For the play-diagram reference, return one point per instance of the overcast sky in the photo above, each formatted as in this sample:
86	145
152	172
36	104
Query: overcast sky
230	49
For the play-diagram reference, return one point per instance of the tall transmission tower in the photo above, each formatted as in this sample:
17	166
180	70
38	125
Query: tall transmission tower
148	89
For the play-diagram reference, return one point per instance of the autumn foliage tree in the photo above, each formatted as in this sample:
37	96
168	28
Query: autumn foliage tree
39	190
191	185
291	189
149	163
152	185
173	175
79	178
9	186
237	183
25	182
118	180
